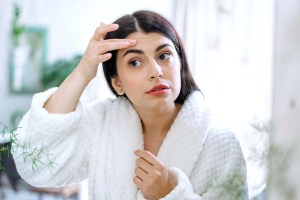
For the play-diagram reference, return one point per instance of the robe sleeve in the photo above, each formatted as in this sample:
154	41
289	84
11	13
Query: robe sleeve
42	138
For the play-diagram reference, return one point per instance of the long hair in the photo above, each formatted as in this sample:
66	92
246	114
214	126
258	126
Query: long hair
147	22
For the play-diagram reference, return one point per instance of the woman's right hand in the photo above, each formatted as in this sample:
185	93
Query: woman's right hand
66	98
98	48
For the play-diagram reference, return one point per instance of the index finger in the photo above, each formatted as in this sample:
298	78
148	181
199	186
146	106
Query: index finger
148	156
103	29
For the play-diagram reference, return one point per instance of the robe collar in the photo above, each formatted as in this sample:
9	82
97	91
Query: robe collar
185	139
180	148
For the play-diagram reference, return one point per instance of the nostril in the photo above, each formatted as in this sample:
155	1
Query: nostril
155	71
160	75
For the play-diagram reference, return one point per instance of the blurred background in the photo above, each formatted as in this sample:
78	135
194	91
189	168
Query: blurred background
244	56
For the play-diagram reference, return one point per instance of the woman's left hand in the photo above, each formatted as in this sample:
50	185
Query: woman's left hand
151	176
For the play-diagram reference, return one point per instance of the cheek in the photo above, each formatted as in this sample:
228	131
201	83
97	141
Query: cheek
178	79
131	82
177	76
176	72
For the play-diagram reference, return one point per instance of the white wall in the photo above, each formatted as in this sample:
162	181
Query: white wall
8	103
284	179
70	24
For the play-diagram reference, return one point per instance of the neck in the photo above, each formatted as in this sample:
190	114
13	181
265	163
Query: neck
157	122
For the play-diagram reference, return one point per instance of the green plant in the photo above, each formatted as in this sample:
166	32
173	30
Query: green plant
17	29
54	74
38	155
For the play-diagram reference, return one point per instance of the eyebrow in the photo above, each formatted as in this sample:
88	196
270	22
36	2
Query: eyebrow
138	51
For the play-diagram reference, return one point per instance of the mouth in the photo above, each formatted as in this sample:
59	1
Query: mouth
158	88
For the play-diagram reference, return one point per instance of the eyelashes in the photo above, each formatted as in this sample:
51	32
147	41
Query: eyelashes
135	63
165	56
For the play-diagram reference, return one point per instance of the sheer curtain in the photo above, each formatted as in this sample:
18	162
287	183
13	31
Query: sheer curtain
229	47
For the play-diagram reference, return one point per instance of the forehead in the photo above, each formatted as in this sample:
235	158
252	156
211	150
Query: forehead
148	40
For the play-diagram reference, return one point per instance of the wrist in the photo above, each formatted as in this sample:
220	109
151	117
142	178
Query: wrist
85	70
79	79
82	75
168	188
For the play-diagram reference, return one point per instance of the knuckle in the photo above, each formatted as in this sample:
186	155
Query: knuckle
160	168
139	161
157	174
136	170
102	47
98	30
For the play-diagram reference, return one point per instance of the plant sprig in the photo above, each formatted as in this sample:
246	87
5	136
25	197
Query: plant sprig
39	156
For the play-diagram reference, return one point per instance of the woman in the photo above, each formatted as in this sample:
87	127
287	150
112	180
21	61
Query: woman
154	141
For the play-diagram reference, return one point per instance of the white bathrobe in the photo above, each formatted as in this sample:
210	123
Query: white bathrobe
97	142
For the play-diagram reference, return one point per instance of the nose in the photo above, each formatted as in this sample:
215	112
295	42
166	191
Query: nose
155	71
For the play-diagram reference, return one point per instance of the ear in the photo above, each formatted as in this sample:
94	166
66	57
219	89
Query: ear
116	83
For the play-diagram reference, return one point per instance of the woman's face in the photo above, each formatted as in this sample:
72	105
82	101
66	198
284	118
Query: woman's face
149	72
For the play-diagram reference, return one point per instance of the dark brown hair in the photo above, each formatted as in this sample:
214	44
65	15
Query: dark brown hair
147	22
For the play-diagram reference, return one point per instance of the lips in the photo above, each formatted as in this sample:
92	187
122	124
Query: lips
158	88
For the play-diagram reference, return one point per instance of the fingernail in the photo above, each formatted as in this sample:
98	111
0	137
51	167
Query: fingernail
124	44
115	26
131	42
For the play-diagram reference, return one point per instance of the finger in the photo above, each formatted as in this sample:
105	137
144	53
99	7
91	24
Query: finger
103	57
139	172
103	29
101	25
148	156
110	46
132	42
138	182
145	165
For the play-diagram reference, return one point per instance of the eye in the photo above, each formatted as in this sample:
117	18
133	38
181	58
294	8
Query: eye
164	56
135	63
